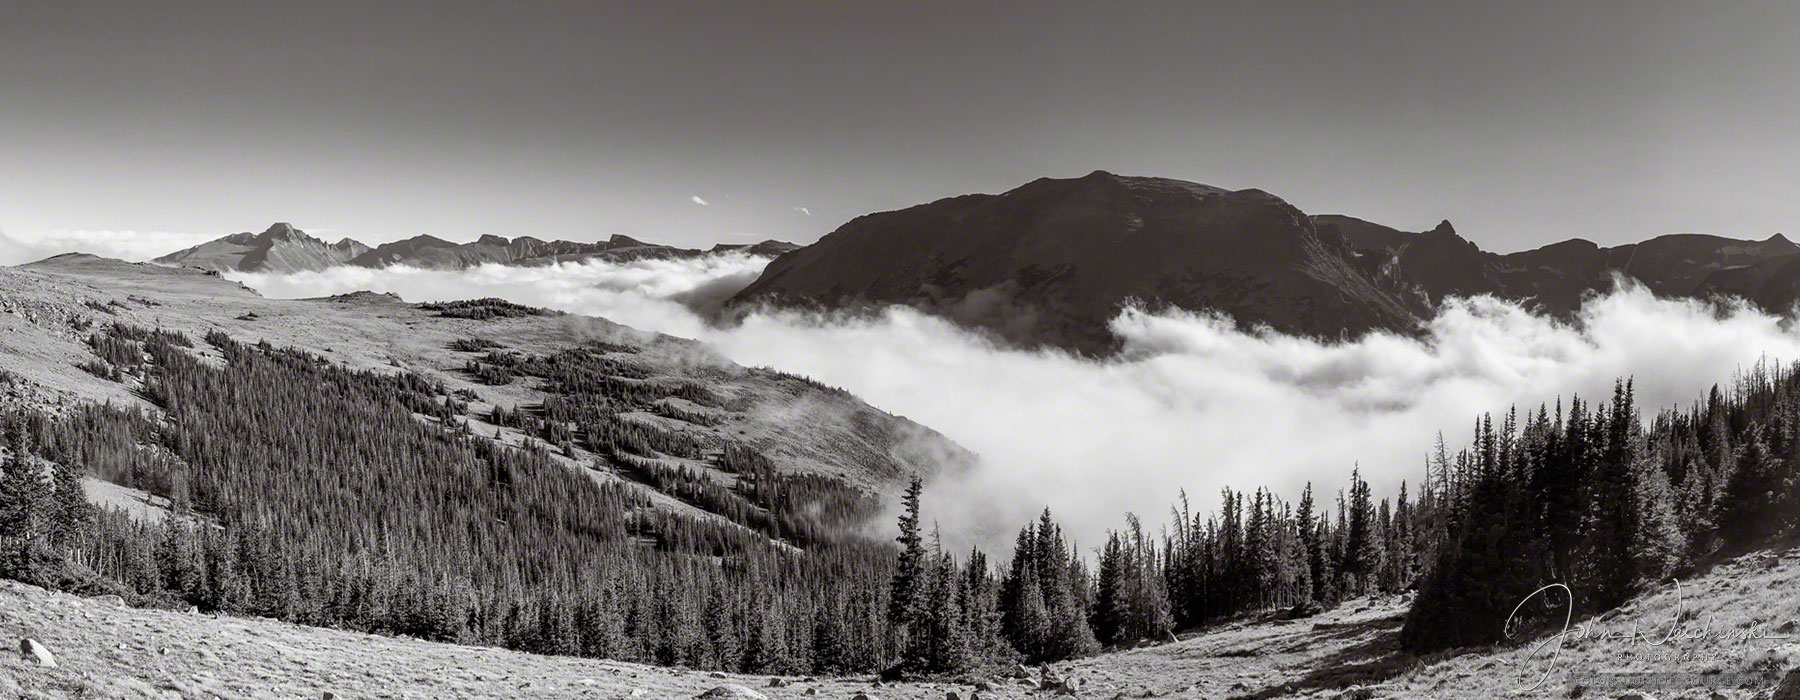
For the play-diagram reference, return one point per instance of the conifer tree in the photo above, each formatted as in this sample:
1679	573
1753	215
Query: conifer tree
909	568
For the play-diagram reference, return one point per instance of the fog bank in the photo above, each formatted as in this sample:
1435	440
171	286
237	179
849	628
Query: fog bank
1191	403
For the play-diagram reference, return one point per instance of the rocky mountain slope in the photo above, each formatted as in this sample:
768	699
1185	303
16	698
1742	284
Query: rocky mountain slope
103	649
283	248
1049	263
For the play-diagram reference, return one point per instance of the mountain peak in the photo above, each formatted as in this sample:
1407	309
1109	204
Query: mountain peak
1779	239
282	231
491	239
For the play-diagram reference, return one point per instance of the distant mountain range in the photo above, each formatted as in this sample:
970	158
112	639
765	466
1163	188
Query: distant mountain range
283	248
1050	263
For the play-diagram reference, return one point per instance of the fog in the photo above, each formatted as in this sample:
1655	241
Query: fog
135	246
1191	403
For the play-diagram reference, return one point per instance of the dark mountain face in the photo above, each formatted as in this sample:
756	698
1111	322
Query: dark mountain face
281	248
1051	262
1558	276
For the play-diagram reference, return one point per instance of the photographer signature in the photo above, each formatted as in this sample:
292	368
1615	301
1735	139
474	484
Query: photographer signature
1632	634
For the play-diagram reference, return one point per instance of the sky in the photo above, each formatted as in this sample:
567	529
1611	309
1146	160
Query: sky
695	123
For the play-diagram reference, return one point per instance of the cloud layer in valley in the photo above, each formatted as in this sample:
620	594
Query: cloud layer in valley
1192	403
136	246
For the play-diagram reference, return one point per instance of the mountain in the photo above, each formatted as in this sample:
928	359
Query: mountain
769	248
1049	263
1558	276
435	253
281	248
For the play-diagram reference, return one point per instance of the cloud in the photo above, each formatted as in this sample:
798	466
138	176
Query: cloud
135	246
803	210
1191	403
699	201
672	296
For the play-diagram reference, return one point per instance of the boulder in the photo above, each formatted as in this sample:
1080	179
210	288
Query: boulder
777	683
952	695
732	691
866	696
36	653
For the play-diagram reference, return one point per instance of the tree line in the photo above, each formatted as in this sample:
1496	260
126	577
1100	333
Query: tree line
305	491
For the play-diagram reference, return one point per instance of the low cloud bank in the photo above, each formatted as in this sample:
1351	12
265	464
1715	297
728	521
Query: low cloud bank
136	246
1192	403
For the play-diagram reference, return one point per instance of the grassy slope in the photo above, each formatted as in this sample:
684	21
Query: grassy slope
107	651
802	427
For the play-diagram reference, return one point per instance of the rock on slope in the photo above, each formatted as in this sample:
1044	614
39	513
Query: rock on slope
1049	263
281	248
105	650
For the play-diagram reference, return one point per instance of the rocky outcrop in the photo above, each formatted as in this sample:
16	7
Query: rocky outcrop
732	691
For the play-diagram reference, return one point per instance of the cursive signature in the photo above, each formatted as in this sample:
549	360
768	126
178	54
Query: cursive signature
1633	633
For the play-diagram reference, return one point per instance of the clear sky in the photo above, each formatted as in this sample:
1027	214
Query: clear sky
1523	123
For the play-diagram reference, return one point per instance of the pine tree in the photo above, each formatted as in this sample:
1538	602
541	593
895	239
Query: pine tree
1312	539
1109	592
70	509
1362	541
941	646
904	597
24	504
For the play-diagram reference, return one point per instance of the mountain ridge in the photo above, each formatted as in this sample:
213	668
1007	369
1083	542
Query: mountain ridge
282	248
1050	262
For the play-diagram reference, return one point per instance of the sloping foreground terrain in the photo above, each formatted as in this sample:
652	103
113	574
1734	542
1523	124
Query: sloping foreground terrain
105	650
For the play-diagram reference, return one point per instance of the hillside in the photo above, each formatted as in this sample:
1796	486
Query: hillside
105	650
1050	262
803	427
